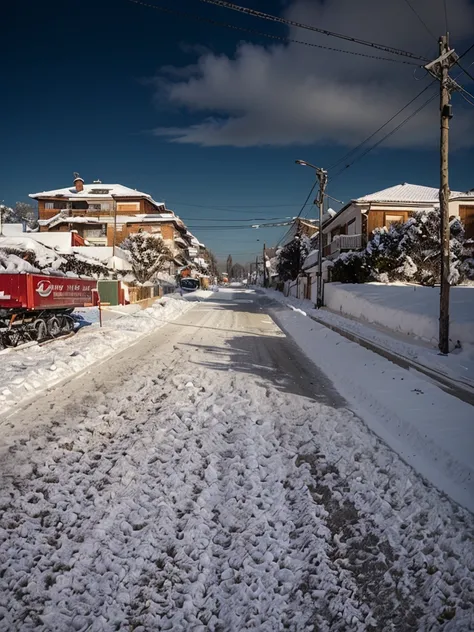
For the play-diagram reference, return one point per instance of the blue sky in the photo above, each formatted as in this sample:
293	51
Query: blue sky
85	86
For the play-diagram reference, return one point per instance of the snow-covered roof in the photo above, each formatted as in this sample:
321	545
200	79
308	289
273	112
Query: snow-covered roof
96	191
61	218
311	260
407	193
464	194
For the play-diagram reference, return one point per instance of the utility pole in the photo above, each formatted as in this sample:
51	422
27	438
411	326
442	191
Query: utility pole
439	68
264	266
323	180
322	176
444	198
256	270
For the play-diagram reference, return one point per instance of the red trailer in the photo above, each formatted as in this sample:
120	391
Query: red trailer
36	307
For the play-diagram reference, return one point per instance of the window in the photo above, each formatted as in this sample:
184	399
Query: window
100	191
57	204
393	218
79	206
94	207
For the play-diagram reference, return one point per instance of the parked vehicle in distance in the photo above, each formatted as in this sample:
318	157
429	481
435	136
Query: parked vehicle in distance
189	285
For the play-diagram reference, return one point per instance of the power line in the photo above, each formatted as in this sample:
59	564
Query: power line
199	18
421	20
466	99
464	70
446	15
354	150
466	52
249	219
234	207
369	149
273	18
301	210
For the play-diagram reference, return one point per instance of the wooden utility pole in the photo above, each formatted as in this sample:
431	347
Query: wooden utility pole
323	179
445	111
256	270
264	266
439	68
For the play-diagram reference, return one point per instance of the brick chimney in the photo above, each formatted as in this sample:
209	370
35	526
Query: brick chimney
78	183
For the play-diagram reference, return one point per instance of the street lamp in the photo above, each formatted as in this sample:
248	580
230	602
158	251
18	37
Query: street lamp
322	177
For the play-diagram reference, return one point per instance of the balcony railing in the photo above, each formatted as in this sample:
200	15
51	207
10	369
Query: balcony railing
342	243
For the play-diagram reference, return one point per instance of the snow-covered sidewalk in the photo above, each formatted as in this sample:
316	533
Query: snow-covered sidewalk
431	430
458	366
196	498
27	372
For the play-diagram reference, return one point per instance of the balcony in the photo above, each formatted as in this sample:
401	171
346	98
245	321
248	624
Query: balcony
342	243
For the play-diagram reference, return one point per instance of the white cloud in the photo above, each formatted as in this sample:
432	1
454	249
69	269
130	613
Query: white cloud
291	94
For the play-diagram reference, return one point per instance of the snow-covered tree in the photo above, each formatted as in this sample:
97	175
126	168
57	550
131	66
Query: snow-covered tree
292	256
148	254
211	260
409	251
21	212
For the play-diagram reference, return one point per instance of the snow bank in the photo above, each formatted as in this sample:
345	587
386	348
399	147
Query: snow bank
28	371
408	309
429	429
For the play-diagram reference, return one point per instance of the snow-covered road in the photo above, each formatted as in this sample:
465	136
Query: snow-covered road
210	478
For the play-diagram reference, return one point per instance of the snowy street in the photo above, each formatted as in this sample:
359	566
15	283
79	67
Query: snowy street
211	477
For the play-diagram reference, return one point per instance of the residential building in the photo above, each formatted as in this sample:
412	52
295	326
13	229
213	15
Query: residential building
352	226
106	214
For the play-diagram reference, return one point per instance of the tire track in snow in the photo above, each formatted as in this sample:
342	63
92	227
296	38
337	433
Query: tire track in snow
215	502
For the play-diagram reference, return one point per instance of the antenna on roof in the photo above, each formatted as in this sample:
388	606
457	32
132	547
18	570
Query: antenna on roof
76	175
97	182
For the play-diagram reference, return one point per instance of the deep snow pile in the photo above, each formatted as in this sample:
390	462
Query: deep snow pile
408	309
28	371
213	501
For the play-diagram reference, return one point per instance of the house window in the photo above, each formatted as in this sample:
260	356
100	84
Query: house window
466	214
100	191
93	233
94	207
79	206
57	204
393	218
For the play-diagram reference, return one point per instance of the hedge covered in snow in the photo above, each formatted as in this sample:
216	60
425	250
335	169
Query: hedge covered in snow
409	252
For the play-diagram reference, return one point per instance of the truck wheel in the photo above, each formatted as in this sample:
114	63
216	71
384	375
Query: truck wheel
41	331
54	327
11	338
66	323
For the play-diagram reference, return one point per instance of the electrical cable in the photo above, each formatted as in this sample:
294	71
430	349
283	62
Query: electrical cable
273	18
301	210
248	219
446	16
352	151
406	120
198	18
421	20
